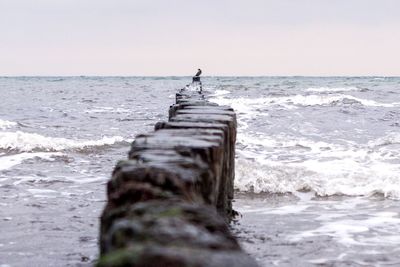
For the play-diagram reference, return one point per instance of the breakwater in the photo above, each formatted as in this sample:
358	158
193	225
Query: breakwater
169	204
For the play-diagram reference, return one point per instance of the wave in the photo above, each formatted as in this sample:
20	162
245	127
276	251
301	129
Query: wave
332	89
28	142
289	164
389	139
6	124
107	110
220	93
6	162
298	100
284	141
56	80
335	177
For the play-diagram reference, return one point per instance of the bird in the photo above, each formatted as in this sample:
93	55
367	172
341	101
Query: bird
198	73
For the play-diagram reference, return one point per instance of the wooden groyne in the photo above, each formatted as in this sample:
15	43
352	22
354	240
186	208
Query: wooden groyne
169	204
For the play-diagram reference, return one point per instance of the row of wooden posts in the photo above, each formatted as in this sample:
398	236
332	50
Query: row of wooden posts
170	202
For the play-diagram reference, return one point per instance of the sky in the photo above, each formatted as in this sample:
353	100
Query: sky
223	37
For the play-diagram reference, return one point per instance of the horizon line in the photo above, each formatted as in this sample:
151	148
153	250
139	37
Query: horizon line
205	76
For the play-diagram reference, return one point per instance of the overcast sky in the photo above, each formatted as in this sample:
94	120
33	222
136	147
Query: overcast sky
223	37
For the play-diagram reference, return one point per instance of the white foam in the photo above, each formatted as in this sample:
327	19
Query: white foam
343	231
21	141
43	193
290	164
87	179
220	93
288	209
332	89
6	124
287	163
389	139
283	210
324	178
349	231
107	110
271	177
7	162
284	141
250	104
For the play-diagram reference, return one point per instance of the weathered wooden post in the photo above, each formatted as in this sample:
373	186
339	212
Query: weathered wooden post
196	79
170	202
197	82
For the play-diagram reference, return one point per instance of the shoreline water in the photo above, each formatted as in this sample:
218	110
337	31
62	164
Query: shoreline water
275	229
305	230
295	136
50	230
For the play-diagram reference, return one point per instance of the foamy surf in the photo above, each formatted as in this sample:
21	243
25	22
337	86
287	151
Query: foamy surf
389	139
332	89
355	230
245	104
7	162
349	176
217	93
26	142
285	163
107	110
4	124
289	164
43	193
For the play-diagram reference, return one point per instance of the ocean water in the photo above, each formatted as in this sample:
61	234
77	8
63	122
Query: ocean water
331	136
317	165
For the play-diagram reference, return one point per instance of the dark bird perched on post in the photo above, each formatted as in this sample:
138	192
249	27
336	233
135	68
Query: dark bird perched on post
198	73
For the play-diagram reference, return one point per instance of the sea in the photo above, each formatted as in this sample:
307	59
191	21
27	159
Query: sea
317	164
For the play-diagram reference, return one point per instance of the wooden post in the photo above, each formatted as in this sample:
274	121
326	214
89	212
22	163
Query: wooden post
170	202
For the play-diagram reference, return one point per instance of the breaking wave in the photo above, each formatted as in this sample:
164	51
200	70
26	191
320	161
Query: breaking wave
7	162
323	178
107	110
332	89
28	142
323	168
220	93
389	139
299	100
6	124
